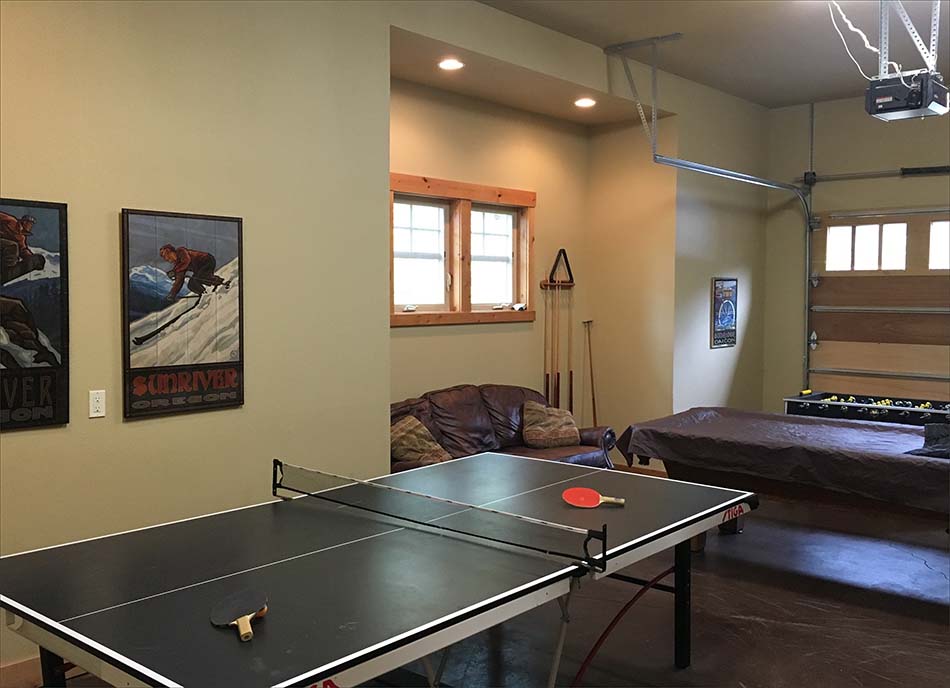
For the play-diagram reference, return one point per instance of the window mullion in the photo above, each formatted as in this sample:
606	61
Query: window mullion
460	255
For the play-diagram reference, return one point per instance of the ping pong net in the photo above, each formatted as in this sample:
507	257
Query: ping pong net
487	522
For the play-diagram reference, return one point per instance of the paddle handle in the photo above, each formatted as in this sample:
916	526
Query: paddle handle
619	501
244	627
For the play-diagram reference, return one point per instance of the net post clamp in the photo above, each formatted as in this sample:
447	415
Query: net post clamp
591	561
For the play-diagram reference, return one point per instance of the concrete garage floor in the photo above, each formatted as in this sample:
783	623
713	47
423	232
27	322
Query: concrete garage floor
809	595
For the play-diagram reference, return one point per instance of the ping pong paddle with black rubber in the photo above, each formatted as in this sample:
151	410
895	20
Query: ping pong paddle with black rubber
588	498
239	610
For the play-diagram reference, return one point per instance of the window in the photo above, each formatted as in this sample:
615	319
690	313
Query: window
894	246
912	242
939	257
419	253
460	252
866	247
838	251
493	232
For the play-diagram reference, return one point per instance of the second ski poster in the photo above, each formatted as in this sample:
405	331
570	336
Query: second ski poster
183	312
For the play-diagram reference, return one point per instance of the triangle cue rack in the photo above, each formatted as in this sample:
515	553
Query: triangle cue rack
552	287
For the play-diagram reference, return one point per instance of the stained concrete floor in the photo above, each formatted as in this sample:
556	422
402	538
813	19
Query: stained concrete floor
809	596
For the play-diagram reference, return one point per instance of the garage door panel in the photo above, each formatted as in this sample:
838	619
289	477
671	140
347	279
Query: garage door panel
929	359
881	387
930	291
896	328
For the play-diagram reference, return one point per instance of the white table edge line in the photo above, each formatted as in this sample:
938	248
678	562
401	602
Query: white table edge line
674	526
88	642
389	641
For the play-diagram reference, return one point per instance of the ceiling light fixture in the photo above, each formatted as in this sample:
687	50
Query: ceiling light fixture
450	64
585	102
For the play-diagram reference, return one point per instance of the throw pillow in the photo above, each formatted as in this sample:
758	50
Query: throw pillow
546	426
410	440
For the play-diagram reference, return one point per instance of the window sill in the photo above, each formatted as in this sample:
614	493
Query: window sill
476	318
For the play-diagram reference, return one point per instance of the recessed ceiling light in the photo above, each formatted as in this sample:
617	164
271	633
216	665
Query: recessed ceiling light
450	64
585	102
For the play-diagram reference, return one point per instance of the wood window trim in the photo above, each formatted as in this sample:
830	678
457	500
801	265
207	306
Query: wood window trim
461	196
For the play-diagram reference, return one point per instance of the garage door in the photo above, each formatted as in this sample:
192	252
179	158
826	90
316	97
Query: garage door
879	311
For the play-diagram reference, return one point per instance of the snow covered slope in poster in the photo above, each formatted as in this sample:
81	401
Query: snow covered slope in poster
208	333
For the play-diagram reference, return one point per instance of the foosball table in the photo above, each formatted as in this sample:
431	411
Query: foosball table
858	407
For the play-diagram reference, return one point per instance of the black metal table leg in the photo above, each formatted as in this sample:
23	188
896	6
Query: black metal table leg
681	604
53	668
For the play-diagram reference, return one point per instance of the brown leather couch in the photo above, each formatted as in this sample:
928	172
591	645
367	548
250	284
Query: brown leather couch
467	420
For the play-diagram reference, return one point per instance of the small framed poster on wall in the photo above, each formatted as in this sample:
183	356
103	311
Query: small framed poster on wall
34	315
724	314
182	294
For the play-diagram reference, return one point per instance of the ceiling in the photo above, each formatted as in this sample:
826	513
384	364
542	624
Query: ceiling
772	52
415	58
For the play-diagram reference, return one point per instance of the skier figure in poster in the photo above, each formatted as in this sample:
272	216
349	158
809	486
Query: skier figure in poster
200	264
16	258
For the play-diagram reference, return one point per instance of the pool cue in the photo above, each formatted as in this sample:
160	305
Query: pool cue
590	359
570	350
547	368
557	345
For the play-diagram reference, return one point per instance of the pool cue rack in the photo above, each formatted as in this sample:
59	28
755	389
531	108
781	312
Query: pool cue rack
552	332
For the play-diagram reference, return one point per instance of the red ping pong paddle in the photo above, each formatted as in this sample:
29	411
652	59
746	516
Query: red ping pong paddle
239	610
588	498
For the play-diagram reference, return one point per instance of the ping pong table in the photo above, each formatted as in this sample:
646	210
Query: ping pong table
353	594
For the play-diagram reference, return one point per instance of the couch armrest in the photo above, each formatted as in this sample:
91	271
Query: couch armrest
602	436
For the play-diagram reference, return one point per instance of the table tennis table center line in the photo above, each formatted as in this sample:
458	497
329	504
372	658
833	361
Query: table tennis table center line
306	554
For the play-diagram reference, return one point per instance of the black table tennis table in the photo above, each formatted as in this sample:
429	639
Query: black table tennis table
352	592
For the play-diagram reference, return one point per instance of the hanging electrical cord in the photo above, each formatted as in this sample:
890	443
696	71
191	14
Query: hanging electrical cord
603	636
867	43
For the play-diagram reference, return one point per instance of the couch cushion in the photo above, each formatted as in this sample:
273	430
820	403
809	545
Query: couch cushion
504	404
546	426
420	409
462	420
409	440
588	456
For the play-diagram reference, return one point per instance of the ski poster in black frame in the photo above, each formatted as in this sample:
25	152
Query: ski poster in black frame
724	312
183	313
34	315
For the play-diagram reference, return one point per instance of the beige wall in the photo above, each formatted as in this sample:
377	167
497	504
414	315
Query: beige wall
632	250
439	134
846	140
720	229
720	233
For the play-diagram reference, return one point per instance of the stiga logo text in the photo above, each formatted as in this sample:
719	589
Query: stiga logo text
733	512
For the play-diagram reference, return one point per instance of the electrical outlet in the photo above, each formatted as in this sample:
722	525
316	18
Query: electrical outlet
97	403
